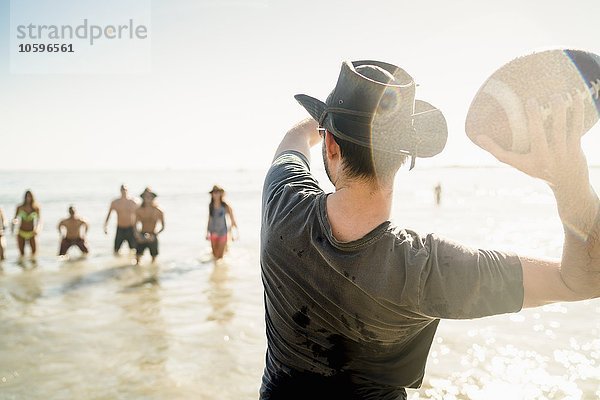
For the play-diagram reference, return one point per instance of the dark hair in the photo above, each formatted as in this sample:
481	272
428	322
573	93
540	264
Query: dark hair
364	162
211	205
34	205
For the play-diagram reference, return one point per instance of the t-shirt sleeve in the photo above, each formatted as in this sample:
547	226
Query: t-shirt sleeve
290	170
460	282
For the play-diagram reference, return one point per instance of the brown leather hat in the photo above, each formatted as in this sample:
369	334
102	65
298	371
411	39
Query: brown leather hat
373	104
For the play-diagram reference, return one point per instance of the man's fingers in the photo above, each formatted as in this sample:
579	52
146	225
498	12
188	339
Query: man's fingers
577	118
559	121
535	124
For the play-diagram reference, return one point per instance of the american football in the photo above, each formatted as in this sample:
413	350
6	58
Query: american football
498	108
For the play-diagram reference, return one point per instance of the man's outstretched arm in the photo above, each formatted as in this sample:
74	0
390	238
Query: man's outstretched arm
557	158
110	210
300	138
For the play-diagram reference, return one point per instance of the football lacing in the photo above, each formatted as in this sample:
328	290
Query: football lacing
589	95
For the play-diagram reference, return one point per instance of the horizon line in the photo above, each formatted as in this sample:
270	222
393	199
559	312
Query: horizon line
242	169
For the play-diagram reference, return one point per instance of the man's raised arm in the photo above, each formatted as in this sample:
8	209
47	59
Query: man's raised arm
300	138
557	158
110	210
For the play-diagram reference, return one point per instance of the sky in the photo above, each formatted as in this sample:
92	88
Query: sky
215	86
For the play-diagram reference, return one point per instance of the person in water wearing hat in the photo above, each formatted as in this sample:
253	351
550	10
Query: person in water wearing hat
352	302
148	215
217	230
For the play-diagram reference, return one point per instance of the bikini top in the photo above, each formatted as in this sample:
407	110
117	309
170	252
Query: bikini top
25	216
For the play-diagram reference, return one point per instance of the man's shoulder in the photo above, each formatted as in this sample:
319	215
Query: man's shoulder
403	242
288	163
127	200
403	235
289	171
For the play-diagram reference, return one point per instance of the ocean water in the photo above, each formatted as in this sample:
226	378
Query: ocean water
186	328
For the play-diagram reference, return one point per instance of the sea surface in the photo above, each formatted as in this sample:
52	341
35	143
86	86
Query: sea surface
187	328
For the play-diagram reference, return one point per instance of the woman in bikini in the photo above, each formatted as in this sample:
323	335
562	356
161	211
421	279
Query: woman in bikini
28	218
218	229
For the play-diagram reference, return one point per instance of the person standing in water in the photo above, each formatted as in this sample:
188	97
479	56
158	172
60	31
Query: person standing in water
2	228
71	233
148	215
28	218
437	194
217	230
125	207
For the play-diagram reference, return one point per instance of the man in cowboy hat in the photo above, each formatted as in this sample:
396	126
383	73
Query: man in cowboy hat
148	215
352	302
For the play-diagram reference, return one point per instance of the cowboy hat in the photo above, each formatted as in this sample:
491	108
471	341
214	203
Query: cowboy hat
148	191
373	105
217	189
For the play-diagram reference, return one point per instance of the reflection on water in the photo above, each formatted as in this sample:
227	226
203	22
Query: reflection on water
26	287
220	294
552	352
104	328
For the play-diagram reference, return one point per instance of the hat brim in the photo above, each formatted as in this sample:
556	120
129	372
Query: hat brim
430	128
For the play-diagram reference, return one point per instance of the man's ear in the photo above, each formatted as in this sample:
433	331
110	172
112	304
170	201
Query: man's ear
333	149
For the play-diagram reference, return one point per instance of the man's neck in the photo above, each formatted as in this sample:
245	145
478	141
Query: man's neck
358	207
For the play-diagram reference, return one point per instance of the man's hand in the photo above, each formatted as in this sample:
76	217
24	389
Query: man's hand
557	158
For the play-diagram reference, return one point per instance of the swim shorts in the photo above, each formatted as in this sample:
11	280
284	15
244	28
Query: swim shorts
124	234
65	244
150	244
218	238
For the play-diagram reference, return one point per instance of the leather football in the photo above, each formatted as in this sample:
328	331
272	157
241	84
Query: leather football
498	108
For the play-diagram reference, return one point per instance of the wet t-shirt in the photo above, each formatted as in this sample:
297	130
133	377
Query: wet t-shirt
355	320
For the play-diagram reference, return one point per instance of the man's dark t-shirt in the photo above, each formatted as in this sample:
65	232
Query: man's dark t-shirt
355	320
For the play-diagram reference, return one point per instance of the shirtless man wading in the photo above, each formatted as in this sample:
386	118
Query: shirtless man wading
71	233
148	215
125	207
